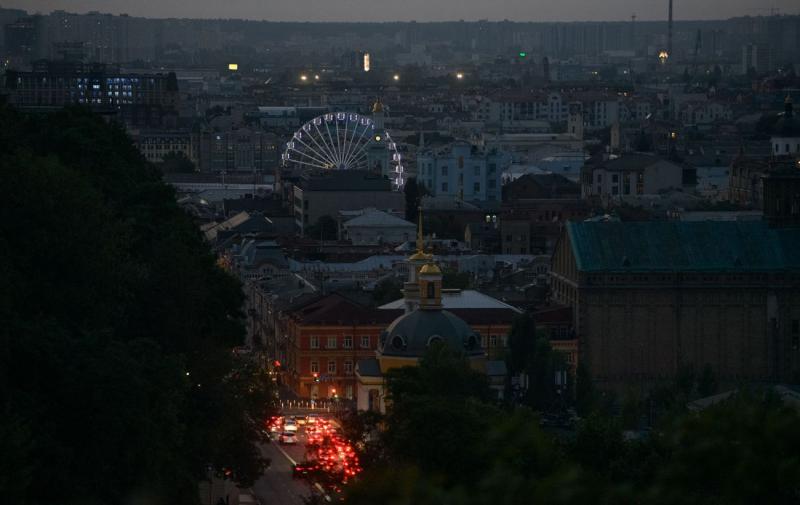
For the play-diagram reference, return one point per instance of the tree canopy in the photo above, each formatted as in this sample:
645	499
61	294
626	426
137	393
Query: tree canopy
444	442
115	371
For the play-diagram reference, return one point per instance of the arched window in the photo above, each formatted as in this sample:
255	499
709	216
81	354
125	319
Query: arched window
435	340
398	342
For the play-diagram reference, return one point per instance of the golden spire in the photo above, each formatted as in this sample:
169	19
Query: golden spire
420	254
420	243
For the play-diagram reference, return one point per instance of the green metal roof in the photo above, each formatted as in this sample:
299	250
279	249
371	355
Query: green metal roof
671	246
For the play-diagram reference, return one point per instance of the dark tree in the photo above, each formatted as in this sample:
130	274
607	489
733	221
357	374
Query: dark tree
411	191
176	163
115	374
325	228
388	290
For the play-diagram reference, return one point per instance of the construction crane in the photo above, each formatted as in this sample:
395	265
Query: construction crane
669	31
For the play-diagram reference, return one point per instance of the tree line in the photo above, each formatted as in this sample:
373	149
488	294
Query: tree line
117	380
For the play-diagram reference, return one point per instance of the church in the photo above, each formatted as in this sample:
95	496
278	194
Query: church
424	323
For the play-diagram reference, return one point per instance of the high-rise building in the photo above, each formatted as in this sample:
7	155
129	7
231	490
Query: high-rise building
145	100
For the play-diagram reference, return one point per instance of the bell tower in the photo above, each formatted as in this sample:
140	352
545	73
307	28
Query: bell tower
430	287
411	289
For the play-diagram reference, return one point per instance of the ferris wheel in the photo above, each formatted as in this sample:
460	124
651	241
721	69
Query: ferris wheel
345	141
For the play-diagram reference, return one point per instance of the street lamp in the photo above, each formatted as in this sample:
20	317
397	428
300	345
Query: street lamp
459	76
304	77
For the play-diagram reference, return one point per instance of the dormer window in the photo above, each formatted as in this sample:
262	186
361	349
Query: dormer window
398	342
435	340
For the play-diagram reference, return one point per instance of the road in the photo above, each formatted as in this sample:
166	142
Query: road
276	486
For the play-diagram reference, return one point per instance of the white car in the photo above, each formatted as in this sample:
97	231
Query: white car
289	425
288	437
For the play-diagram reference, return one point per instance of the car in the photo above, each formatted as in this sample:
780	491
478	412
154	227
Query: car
304	469
288	437
312	418
289	425
301	420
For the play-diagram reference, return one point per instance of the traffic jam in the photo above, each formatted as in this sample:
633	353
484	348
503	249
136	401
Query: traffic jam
330	459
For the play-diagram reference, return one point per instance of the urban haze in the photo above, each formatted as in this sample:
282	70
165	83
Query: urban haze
413	253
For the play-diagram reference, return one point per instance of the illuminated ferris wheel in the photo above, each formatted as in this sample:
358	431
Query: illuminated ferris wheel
345	141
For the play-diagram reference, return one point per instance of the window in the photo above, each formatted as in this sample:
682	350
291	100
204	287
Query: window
493	341
476	187
484	341
615	178
476	170
348	391
444	187
315	342
347	342
348	367
444	170
492	168
332	366
365	342
331	343
315	367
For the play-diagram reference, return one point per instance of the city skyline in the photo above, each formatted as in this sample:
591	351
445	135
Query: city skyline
415	10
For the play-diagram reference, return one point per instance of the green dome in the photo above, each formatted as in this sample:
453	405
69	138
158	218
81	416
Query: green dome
411	334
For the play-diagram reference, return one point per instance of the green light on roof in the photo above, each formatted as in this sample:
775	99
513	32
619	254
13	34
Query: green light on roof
522	54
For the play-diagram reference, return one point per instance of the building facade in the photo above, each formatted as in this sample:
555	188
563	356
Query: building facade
140	100
463	170
651	298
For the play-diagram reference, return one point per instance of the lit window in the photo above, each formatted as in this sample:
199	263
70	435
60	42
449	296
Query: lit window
365	342
332	366
314	367
315	342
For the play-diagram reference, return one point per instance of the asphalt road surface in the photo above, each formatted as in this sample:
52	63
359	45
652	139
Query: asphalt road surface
276	486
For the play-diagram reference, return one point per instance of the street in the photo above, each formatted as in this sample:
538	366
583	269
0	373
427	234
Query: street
277	486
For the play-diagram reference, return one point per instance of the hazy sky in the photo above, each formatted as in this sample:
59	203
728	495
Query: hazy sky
420	10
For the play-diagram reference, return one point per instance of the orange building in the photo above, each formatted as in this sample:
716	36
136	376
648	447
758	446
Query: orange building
325	339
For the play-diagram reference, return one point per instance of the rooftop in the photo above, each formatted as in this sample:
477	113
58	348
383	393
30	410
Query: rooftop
676	246
378	218
344	180
461	299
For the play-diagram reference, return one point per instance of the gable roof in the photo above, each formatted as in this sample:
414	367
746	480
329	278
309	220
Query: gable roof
457	299
378	218
703	246
336	309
